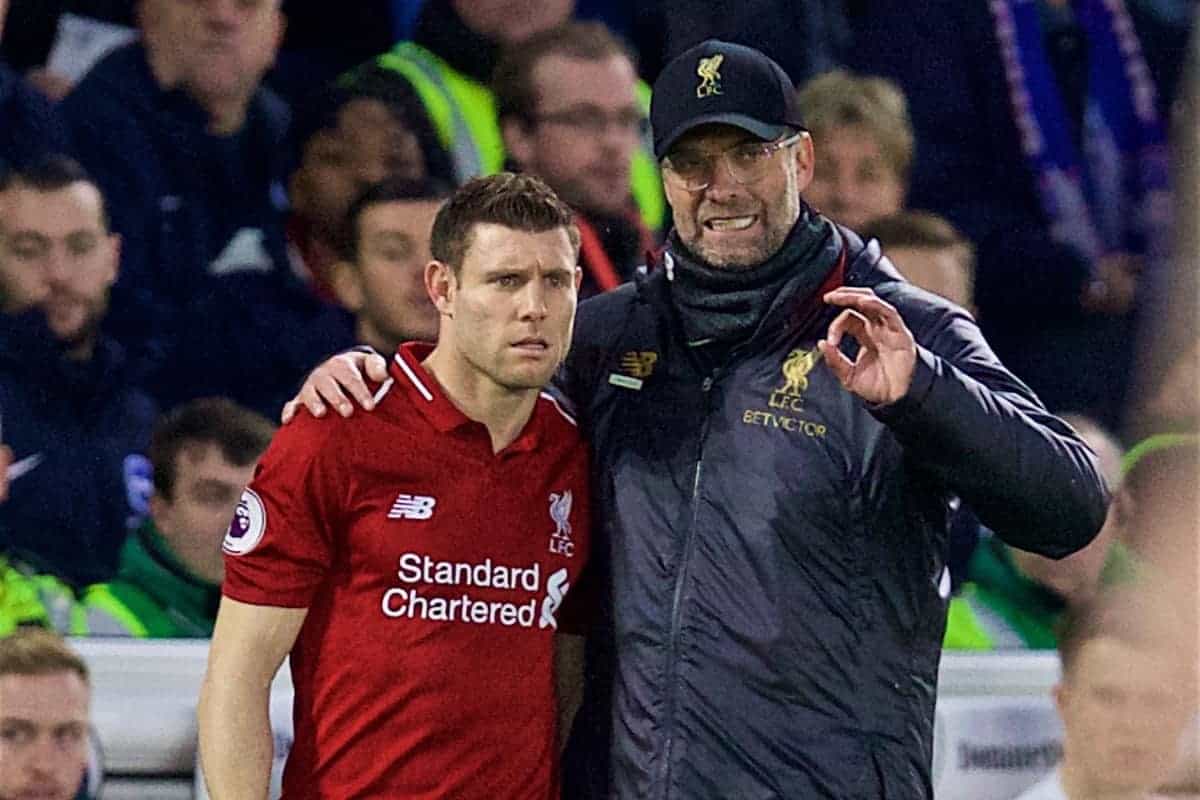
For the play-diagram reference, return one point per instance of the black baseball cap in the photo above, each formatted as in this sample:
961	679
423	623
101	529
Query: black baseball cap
723	82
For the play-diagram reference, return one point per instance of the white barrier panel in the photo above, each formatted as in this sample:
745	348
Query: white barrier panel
144	709
993	748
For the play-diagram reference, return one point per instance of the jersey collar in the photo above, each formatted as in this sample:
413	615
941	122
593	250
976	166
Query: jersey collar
427	395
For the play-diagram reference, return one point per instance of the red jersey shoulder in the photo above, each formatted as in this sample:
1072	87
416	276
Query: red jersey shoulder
304	437
294	451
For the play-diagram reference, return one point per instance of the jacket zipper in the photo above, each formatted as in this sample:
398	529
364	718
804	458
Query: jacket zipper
680	580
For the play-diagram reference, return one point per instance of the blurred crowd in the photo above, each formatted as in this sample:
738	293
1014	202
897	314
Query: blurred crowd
202	199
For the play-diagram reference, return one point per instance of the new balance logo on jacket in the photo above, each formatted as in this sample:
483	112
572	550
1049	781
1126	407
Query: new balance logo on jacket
412	506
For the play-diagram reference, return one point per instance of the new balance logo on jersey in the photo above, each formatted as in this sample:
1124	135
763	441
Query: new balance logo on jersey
412	506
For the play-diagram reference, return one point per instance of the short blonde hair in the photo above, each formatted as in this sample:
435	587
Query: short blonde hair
876	105
37	651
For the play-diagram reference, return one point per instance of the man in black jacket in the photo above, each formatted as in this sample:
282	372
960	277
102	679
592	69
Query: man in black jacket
77	428
778	422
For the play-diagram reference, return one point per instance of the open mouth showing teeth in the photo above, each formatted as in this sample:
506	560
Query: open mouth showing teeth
721	224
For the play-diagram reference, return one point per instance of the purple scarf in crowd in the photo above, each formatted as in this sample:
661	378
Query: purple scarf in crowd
1113	196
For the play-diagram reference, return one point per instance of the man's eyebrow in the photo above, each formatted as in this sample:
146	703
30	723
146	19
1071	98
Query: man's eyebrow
17	722
27	234
391	234
208	483
692	149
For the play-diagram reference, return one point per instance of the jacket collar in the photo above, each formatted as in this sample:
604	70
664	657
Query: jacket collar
789	313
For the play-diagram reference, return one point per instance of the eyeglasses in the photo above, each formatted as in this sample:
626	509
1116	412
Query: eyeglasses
745	162
593	120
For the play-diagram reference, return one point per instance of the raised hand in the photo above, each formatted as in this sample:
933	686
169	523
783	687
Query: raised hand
887	354
330	381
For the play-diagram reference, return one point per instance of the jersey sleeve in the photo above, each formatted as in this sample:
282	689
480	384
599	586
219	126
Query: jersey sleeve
281	542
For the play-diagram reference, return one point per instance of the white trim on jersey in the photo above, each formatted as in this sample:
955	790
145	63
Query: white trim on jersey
559	408
412	376
382	390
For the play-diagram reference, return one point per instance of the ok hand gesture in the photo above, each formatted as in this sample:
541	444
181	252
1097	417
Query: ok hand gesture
887	353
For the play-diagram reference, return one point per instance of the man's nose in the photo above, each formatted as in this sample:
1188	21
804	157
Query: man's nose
56	266
44	757
533	300
721	182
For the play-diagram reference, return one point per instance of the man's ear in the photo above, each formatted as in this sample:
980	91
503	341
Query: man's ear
805	160
114	244
347	286
441	284
1059	692
518	140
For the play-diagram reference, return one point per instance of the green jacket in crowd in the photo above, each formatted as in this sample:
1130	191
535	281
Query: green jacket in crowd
152	596
1001	609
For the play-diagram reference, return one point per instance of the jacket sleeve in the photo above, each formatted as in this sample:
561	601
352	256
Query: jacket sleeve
986	436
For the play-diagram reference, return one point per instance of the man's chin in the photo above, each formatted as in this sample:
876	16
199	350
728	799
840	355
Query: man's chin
528	379
731	258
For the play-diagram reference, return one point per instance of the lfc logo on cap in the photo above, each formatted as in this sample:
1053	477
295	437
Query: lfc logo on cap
709	70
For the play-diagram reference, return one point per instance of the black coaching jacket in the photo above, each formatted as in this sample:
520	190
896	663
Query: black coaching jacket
775	549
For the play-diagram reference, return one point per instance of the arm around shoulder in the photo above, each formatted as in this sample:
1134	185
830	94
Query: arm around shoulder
249	643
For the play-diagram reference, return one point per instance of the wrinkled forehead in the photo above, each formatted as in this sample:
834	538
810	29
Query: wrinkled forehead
712	138
53	212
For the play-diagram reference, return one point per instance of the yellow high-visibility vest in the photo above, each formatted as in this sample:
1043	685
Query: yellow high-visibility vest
463	114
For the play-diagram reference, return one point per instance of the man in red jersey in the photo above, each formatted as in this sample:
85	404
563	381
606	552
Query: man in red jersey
413	562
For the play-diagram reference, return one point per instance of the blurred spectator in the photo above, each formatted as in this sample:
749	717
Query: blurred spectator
169	580
805	37
381	277
1127	691
1041	136
45	695
448	66
31	126
449	63
1173	402
190	150
1015	599
929	252
348	139
77	429
861	130
568	107
1156	508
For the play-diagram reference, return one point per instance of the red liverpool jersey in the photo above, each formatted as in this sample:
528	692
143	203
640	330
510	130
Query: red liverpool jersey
433	571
